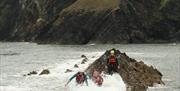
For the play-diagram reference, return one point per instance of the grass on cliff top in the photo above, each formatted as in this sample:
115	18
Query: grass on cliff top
94	5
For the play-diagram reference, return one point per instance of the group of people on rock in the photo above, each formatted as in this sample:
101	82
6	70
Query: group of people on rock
112	65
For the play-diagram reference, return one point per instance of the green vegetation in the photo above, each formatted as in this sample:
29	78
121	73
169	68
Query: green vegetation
94	4
163	3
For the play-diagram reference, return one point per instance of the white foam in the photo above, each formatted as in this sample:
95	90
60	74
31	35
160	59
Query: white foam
13	88
111	83
166	79
57	78
134	53
91	44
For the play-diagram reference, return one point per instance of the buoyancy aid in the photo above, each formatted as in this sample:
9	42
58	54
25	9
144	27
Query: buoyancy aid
80	78
112	59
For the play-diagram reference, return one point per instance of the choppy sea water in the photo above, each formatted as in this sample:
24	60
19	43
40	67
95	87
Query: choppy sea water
19	58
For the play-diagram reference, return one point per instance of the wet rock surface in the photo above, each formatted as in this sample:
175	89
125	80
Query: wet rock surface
76	66
84	60
136	75
45	72
68	70
31	73
83	56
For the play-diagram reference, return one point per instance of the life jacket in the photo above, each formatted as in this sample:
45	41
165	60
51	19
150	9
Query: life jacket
80	78
112	59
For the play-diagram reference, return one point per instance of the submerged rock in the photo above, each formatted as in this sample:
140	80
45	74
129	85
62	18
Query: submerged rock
83	56
30	73
136	75
93	57
76	66
68	70
45	72
84	60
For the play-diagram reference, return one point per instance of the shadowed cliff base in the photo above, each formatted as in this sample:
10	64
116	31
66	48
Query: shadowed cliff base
90	21
136	75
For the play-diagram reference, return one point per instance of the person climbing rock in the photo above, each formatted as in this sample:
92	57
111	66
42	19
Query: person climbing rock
97	78
112	62
80	76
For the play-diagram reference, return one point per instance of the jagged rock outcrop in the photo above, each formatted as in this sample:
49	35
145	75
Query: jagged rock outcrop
136	75
45	72
76	66
31	73
90	21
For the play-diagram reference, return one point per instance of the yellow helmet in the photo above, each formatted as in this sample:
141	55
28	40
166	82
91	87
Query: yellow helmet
112	51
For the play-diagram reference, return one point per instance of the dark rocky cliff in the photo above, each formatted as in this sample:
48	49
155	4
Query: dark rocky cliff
90	21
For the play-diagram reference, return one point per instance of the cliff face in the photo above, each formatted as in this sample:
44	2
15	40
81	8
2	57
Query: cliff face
90	21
